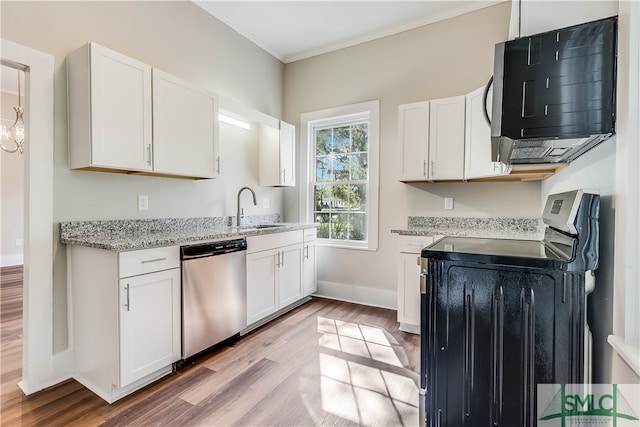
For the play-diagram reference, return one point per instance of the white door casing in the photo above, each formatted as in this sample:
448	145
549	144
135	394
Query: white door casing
39	363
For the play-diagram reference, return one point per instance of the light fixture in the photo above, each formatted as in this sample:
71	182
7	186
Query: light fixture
234	122
12	139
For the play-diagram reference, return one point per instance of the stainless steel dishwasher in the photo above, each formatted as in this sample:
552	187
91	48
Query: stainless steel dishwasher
214	293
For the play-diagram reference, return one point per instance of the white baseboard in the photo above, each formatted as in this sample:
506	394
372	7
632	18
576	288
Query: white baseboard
62	371
358	294
9	260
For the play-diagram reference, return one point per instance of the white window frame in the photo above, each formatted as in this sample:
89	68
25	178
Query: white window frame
307	167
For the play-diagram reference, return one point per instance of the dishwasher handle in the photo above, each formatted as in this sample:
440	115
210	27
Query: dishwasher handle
203	250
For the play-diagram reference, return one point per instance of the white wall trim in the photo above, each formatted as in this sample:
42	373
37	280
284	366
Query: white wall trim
307	165
38	369
628	353
358	294
626	329
9	260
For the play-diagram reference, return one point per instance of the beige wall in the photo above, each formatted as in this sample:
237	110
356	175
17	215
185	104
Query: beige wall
12	183
177	37
447	58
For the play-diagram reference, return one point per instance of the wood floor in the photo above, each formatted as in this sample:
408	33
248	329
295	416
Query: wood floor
325	363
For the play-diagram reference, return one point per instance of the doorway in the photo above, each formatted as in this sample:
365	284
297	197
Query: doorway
11	169
39	366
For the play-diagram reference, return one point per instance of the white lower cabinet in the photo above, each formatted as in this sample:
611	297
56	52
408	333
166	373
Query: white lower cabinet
290	275
125	317
309	267
274	273
409	248
262	285
148	304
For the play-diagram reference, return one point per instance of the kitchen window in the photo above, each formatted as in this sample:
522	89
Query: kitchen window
341	148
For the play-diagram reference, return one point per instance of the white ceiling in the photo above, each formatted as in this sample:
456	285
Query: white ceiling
294	30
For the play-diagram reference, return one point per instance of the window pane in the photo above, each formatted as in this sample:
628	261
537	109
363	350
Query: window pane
340	226
323	142
323	225
360	137
358	226
357	197
341	167
323	198
340	197
342	139
359	166
323	169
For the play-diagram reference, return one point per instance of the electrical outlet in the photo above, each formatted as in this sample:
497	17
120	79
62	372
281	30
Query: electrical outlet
448	202
18	242
143	203
265	203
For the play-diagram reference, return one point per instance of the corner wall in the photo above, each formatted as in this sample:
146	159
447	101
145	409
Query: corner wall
447	58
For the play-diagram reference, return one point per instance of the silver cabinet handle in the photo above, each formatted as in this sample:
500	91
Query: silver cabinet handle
424	168
306	252
127	303
278	261
218	164
146	261
433	167
282	265
149	154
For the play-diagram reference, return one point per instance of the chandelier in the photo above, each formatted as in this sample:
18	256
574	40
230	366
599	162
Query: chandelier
12	138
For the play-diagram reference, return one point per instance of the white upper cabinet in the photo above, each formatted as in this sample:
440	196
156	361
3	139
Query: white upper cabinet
413	138
125	116
109	97
431	137
477	139
446	138
277	155
185	128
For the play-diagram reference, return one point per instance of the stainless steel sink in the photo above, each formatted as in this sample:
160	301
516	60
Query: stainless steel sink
258	226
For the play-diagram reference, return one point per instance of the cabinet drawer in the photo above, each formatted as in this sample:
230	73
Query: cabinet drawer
413	244
310	234
148	260
274	240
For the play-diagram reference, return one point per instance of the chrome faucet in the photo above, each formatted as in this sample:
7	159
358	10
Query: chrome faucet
238	214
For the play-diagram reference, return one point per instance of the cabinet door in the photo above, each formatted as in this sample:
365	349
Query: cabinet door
309	269
149	324
185	128
262	297
277	164
477	139
120	93
287	154
290	275
409	290
446	138
413	139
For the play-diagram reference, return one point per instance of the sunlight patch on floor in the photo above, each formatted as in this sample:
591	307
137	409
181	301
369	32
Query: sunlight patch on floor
359	393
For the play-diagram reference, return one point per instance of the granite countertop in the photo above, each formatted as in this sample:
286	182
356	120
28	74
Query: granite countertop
122	235
496	228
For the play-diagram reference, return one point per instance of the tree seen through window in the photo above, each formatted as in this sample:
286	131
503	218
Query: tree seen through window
341	181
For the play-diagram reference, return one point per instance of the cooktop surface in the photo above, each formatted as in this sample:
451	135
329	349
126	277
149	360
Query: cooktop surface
517	252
